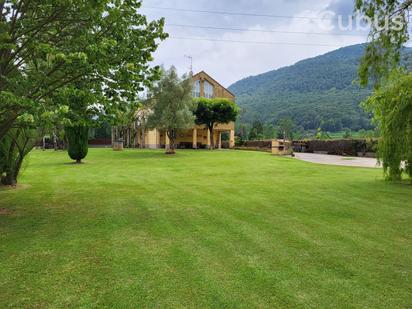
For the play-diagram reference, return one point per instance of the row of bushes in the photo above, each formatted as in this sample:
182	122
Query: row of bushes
343	147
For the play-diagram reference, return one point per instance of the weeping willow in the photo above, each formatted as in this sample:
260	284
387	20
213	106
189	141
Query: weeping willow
392	107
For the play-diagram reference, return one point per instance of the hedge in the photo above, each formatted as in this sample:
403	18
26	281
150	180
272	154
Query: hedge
343	147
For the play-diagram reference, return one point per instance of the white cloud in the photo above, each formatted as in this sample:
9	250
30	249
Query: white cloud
229	62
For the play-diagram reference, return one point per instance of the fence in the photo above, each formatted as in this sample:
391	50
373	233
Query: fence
342	147
265	146
100	142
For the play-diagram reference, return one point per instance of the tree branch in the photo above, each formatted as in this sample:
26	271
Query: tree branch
2	2
14	17
36	30
48	74
57	87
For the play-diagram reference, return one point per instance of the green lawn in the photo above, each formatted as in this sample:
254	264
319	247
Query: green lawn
216	229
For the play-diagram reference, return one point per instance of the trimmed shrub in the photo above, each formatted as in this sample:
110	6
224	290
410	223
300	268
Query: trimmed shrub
78	138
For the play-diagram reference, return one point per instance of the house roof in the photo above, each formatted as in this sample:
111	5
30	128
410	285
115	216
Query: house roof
214	80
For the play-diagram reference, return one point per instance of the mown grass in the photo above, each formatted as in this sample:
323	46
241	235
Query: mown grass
139	229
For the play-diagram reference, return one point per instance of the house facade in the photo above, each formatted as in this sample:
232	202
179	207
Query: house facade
198	136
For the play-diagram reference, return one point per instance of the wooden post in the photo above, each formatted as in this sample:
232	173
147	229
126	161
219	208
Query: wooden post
208	138
194	138
232	139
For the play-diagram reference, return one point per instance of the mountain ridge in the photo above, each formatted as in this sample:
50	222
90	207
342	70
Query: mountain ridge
314	92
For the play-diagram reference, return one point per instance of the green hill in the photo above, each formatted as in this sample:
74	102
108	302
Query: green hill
316	92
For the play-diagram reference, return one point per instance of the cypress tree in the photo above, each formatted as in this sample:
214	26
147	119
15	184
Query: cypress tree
78	140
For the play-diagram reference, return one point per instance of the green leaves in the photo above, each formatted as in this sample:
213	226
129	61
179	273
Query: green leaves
384	51
102	47
392	107
72	62
77	137
171	102
211	111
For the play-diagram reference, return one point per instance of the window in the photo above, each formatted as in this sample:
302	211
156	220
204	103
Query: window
208	88
196	89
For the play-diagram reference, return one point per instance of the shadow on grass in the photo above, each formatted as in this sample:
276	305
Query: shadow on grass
145	154
14	188
74	163
403	182
6	212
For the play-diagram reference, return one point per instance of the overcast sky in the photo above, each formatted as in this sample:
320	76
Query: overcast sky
228	62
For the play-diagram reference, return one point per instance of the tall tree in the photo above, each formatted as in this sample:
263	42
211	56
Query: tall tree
389	32
256	132
285	128
172	105
210	112
83	112
242	131
39	53
49	47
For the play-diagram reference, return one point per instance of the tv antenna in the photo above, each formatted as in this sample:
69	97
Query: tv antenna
191	63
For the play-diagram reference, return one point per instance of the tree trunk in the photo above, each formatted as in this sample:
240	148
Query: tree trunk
142	138
212	137
128	137
7	124
55	141
21	144
9	179
172	149
65	142
78	161
172	138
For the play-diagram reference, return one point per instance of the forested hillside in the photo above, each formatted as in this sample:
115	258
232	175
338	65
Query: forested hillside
317	92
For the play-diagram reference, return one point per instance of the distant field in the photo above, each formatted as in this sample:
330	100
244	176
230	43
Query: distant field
139	229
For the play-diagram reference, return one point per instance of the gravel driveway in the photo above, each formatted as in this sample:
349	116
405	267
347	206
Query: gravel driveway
337	160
